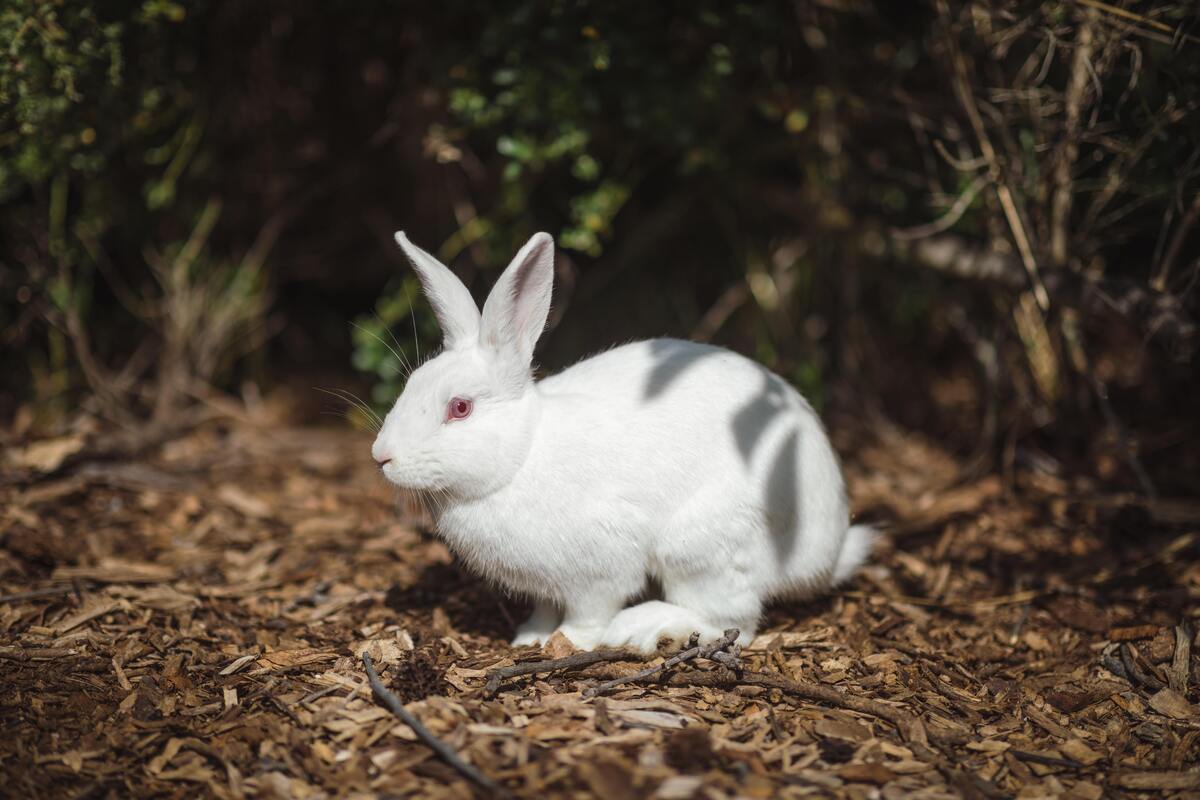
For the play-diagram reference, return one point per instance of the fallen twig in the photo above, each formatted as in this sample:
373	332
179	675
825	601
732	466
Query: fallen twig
574	661
49	591
1121	663
444	751
1048	761
36	653
1114	665
723	651
909	726
1133	672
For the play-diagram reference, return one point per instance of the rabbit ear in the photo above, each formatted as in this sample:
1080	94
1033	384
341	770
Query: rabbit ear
516	310
456	312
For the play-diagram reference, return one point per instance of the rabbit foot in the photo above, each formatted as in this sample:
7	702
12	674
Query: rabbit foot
538	628
644	626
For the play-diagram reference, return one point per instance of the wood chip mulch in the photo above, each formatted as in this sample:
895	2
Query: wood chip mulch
193	624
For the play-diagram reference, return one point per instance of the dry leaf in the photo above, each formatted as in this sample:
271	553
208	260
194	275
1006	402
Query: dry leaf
94	607
1079	751
243	502
846	731
1171	703
46	455
679	787
280	659
558	646
1161	781
115	570
867	773
386	652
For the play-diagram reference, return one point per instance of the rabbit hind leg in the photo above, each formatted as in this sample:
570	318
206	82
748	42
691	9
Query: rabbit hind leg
713	562
648	626
706	605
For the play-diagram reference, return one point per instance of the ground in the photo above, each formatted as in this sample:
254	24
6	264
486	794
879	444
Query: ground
191	622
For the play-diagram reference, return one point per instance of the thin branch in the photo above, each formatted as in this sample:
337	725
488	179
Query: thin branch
910	727
443	750
962	85
1132	670
36	653
1064	189
1139	19
1159	282
49	591
959	164
958	257
947	220
723	650
574	661
1116	176
1049	761
730	301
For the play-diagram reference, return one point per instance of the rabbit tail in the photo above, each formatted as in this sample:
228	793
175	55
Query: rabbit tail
856	547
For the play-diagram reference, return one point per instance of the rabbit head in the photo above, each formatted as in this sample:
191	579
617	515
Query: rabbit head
465	420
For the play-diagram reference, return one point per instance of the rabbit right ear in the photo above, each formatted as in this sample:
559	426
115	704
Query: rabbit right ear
456	312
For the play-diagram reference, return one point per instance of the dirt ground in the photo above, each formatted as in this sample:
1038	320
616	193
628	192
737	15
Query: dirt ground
191	623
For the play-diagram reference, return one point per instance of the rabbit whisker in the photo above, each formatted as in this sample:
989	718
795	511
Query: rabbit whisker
348	397
379	339
413	316
345	417
405	367
363	406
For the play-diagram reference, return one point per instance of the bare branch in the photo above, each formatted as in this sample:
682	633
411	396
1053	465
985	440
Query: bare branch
443	750
725	646
1140	20
958	257
962	86
909	726
947	220
574	661
1159	282
1068	151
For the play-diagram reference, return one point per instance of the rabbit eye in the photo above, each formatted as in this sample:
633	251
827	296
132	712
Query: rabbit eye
459	408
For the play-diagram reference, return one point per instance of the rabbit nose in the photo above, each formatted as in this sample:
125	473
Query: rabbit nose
383	462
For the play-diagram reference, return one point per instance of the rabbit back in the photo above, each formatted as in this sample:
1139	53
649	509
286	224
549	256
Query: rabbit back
658	458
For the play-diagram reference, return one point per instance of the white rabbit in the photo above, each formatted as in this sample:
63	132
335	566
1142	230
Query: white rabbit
659	461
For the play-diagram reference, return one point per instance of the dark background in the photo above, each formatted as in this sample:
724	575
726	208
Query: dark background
202	196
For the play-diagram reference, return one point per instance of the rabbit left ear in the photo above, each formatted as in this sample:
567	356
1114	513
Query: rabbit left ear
456	312
516	310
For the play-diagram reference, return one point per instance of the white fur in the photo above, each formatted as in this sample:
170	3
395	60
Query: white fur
661	460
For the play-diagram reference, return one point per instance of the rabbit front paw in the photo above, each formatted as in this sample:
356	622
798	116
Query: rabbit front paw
538	628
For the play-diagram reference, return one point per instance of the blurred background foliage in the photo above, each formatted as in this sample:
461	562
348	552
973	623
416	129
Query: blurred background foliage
976	218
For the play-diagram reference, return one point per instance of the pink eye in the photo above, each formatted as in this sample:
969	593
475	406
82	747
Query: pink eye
459	408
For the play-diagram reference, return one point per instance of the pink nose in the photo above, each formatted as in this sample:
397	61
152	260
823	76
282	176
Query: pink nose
383	462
